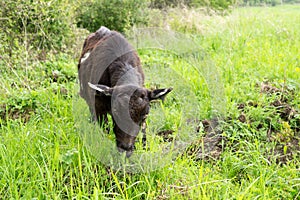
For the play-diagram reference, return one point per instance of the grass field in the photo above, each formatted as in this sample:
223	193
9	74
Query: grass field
248	73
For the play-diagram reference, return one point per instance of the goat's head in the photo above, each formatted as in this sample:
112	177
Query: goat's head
130	106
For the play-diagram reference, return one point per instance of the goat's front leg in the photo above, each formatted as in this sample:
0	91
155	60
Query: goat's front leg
103	121
144	138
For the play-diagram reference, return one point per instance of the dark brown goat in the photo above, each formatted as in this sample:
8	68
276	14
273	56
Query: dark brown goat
111	82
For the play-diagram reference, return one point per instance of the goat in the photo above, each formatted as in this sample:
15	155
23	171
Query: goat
112	82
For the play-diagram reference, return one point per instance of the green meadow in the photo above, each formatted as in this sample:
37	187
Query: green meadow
240	71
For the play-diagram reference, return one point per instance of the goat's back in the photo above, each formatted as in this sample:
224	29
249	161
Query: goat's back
105	54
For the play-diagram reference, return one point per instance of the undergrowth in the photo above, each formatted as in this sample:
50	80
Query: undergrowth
256	51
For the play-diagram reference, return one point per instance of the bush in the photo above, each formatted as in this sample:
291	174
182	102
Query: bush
117	15
35	24
213	4
161	4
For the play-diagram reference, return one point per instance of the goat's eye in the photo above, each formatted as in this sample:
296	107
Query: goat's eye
140	100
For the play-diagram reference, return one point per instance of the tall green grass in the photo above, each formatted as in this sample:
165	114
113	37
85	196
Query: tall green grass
44	157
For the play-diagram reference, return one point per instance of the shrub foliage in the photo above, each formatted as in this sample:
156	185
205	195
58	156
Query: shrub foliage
117	15
213	4
38	24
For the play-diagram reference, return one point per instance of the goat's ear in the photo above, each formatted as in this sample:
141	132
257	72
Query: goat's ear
102	89
159	93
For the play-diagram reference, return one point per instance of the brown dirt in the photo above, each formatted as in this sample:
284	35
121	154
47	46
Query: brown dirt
285	151
286	142
13	114
210	146
167	135
242	118
266	87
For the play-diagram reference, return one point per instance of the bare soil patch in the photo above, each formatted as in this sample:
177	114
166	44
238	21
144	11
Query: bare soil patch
284	137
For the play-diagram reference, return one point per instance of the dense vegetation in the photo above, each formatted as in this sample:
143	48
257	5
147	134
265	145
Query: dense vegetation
244	65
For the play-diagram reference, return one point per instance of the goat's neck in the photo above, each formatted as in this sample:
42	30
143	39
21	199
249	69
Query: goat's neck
126	75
